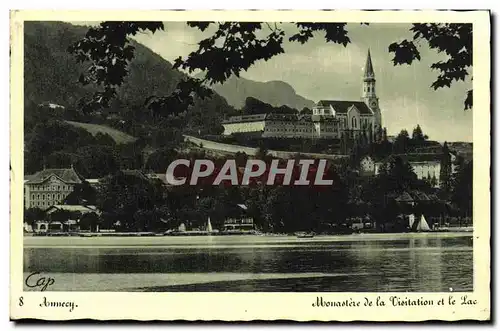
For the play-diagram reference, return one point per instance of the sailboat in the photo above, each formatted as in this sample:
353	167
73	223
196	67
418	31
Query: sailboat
209	226
411	220
423	225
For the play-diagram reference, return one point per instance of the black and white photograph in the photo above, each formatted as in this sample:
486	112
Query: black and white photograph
251	156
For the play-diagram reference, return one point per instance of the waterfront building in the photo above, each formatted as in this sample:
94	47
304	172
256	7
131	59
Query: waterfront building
427	166
239	224
329	119
71	224
240	221
49	187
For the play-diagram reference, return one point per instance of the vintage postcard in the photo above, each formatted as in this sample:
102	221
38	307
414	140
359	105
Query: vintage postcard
250	165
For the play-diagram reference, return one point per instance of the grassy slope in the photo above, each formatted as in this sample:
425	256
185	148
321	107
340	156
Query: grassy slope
118	136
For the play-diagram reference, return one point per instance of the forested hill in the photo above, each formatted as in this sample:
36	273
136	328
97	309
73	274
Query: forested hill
51	78
51	73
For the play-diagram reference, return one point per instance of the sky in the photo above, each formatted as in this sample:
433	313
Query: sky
320	70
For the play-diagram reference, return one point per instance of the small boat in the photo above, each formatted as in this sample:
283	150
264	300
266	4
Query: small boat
209	226
423	226
304	235
411	220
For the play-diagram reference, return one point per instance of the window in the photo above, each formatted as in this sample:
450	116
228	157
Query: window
33	196
43	196
38	196
58	196
53	196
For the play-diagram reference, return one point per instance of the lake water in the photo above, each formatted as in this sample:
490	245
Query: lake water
433	262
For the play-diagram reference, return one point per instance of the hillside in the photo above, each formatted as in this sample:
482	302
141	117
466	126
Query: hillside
52	94
275	93
51	73
118	136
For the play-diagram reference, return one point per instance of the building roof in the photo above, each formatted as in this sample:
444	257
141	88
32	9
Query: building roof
323	118
414	157
419	196
404	197
136	173
245	118
68	176
161	177
342	106
80	208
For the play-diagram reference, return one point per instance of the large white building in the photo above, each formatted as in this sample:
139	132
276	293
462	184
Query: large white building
425	165
49	187
329	119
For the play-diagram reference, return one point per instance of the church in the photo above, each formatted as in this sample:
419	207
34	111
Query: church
329	119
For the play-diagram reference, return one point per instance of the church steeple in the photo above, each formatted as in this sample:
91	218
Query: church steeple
369	95
369	74
369	80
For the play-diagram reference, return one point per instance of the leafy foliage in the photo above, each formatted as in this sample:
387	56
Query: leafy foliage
462	191
452	39
127	197
235	46
232	48
108	50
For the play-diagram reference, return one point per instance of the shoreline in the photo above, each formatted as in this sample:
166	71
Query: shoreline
224	241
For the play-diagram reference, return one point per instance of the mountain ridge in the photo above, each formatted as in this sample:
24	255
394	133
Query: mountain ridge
275	92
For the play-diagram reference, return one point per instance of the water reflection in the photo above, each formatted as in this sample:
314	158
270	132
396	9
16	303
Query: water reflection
414	264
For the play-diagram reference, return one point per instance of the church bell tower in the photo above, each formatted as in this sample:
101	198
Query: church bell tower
369	95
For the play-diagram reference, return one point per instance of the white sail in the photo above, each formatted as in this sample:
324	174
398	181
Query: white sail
422	225
411	220
209	225
182	227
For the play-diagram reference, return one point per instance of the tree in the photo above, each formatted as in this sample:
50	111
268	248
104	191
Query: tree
417	135
159	160
401	143
89	221
96	161
31	215
61	159
241	159
82	194
255	106
384	135
51	136
122	195
262	154
395	176
462	191
306	111
452	39
104	139
62	216
235	46
445	172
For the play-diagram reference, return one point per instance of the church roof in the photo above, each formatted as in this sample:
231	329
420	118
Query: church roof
342	107
369	73
68	176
